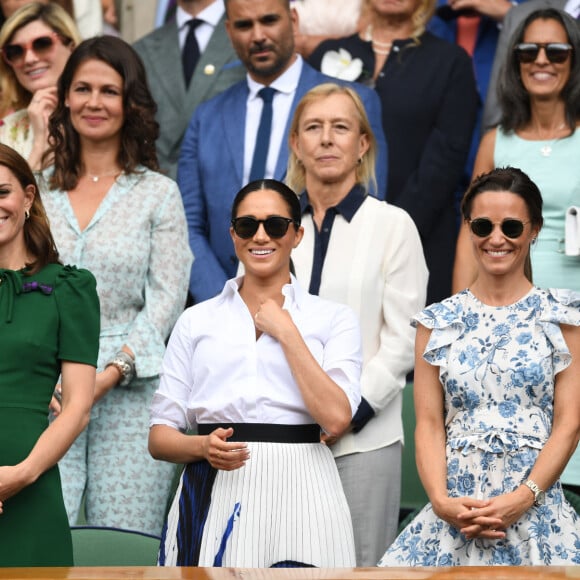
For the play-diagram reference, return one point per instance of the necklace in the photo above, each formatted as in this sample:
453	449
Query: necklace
95	178
546	148
382	48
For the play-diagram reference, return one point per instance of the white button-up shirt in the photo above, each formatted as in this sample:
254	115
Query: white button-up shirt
215	371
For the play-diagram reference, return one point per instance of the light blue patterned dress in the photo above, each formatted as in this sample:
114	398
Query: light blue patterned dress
497	366
137	248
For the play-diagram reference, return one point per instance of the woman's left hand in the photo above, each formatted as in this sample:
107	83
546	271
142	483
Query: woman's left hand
508	508
272	319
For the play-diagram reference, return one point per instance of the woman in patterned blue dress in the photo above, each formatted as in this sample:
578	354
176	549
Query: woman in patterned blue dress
493	441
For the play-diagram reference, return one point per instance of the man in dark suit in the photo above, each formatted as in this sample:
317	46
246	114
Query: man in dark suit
491	111
217	154
217	68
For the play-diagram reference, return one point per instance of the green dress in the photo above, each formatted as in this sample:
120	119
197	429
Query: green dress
45	318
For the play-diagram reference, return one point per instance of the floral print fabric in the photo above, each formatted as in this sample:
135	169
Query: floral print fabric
497	367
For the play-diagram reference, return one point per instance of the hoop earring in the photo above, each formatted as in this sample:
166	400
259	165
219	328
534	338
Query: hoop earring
26	214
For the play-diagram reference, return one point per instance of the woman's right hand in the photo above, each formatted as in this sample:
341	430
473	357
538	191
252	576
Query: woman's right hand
40	108
449	509
223	455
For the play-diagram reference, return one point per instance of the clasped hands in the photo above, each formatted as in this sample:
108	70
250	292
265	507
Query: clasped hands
487	519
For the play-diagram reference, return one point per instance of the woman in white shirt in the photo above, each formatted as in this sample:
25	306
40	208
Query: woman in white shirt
367	254
259	370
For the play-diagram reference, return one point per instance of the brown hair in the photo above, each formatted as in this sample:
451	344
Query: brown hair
515	181
139	131
37	236
13	95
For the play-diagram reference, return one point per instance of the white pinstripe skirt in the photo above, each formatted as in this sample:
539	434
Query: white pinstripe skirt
285	504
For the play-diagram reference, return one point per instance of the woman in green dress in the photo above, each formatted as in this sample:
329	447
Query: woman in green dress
49	327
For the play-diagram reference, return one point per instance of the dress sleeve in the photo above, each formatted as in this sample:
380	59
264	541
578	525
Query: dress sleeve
563	308
78	307
446	321
165	286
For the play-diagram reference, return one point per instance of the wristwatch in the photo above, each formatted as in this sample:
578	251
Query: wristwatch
125	364
539	494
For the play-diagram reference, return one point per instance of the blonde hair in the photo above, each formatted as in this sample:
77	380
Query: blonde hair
13	95
365	171
419	18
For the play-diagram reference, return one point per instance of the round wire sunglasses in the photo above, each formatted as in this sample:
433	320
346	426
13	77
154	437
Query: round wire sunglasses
511	228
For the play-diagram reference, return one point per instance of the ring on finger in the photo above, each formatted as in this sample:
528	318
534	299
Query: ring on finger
219	454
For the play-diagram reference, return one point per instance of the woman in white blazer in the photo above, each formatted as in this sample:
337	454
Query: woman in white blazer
367	254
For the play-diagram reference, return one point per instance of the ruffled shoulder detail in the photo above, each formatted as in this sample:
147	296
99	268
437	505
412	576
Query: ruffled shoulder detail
448	320
560	306
73	275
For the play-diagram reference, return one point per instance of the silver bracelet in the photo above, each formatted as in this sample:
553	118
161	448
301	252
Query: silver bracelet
125	365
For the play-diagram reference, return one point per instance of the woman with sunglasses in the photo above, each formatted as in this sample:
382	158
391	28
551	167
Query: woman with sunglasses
36	42
497	400
368	255
258	370
113	213
540	99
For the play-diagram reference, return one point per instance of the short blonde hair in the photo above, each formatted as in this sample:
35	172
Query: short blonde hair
365	171
13	95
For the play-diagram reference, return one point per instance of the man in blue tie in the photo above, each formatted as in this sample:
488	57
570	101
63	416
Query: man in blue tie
242	134
196	37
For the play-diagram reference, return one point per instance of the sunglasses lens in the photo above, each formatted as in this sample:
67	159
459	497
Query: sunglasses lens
13	52
245	227
557	52
481	227
512	228
527	52
276	227
42	44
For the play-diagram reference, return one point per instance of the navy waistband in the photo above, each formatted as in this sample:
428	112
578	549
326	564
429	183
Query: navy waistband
272	433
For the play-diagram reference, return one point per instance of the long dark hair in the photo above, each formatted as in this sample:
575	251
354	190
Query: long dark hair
513	97
515	181
139	131
37	236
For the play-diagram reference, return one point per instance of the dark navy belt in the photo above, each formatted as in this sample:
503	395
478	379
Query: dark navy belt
272	433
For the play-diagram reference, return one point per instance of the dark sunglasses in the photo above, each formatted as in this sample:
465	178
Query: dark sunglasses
14	53
511	228
275	226
555	51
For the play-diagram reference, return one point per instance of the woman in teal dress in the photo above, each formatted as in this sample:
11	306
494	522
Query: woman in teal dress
540	98
49	326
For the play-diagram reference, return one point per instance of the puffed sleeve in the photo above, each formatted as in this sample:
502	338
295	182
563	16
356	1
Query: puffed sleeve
446	321
79	313
563	307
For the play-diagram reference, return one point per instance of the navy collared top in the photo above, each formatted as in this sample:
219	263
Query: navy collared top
347	207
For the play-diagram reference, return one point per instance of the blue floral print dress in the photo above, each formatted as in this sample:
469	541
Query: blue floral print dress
497	367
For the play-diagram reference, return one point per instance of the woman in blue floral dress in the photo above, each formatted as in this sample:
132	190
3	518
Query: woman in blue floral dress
492	443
